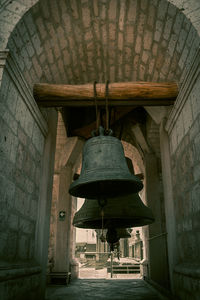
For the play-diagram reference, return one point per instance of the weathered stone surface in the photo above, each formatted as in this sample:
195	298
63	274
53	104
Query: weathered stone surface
23	282
90	31
105	289
21	150
81	41
185	149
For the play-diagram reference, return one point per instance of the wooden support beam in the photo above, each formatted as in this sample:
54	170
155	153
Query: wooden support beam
136	130
120	94
157	113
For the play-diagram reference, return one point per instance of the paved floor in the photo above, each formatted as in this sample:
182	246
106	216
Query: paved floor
92	273
105	289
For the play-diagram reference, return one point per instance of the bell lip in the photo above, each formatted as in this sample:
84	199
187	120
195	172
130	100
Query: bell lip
129	223
134	184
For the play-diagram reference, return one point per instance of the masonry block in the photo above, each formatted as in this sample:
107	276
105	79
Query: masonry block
86	16
132	11
167	28
112	10
158	31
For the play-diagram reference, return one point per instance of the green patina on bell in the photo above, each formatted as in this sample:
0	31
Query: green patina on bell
120	212
104	170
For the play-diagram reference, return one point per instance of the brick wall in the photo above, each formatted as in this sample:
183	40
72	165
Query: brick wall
76	42
185	145
81	41
11	12
21	150
22	138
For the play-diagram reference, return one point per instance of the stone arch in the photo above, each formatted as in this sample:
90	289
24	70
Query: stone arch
77	44
12	11
30	50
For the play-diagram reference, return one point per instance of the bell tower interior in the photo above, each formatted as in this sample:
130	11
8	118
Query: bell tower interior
71	42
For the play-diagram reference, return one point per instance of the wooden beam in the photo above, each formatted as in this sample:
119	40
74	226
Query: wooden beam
120	94
136	130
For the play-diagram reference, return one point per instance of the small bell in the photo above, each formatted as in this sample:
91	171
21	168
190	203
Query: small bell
123	233
102	238
104	170
112	236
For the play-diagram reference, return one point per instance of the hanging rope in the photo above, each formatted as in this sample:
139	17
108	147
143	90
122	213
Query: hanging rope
96	106
102	225
99	112
102	202
107	110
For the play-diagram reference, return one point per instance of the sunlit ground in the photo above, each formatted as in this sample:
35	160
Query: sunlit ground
91	271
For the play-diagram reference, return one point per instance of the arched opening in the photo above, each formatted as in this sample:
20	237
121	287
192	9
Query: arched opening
75	42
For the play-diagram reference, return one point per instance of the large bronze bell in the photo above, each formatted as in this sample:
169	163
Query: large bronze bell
104	170
119	212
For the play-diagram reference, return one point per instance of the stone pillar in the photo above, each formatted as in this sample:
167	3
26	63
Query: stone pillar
3	57
64	232
74	264
61	259
158	261
62	239
168	196
44	206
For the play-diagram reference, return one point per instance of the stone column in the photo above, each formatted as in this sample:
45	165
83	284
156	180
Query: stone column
158	261
74	265
61	260
62	239
168	196
44	206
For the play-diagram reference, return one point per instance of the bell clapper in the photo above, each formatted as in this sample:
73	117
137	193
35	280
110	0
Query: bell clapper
102	238
111	259
102	202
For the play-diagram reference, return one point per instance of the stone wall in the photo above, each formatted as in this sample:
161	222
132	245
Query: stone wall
12	12
78	42
183	127
75	42
22	140
21	150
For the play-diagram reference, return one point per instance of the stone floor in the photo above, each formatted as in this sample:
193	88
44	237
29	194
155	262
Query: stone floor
105	289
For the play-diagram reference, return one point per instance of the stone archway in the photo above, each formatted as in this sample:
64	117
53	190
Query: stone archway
12	11
72	42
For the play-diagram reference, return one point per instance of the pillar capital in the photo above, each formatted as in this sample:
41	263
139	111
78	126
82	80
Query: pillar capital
3	57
